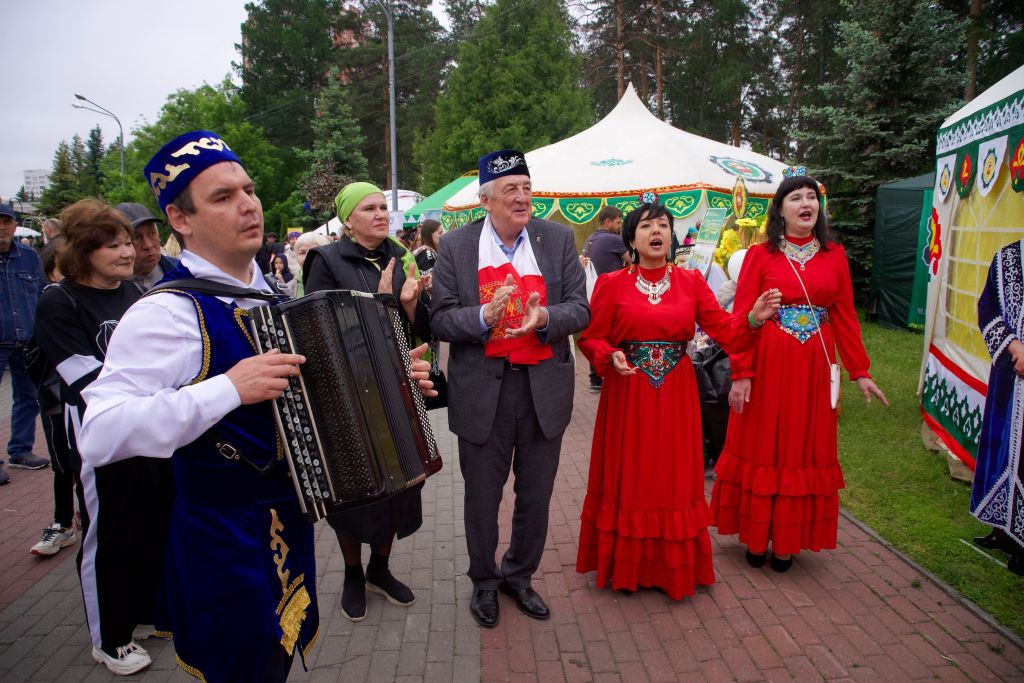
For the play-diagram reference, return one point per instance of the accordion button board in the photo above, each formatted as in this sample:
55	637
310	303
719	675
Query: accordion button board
353	426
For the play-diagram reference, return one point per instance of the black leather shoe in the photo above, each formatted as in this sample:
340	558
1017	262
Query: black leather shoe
484	608
996	540
782	565
756	560
527	600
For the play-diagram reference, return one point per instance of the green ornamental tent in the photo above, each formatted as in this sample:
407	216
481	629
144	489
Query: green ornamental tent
898	210
431	206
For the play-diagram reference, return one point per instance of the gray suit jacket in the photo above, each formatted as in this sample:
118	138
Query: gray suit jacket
474	380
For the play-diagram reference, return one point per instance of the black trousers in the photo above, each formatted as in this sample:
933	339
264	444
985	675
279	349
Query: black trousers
125	520
63	470
516	443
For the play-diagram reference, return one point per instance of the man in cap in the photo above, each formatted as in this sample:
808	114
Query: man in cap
181	378
508	291
150	264
21	282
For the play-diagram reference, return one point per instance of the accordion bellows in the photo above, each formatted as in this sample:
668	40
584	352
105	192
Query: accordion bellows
353	427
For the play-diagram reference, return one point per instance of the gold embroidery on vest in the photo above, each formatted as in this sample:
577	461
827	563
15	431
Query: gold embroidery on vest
277	543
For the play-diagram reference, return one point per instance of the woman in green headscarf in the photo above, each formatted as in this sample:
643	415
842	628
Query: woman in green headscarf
366	258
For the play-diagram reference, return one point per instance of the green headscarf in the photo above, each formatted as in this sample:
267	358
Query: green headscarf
350	196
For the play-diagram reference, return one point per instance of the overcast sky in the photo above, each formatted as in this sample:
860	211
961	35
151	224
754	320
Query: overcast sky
126	55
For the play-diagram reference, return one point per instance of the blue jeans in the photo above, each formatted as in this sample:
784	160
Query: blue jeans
25	409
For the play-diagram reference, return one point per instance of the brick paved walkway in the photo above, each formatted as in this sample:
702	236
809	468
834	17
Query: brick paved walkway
858	613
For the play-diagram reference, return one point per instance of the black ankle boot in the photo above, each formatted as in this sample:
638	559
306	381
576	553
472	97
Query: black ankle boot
380	580
755	560
353	595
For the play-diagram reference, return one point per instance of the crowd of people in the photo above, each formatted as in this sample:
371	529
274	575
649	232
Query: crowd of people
157	413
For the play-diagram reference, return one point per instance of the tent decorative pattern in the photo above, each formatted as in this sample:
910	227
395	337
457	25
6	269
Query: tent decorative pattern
998	118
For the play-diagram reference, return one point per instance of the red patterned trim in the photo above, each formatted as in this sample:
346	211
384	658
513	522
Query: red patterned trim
967	378
617	195
947	440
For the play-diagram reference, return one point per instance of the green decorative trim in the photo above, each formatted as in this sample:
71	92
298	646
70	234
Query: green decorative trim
462	217
719	200
682	204
951	410
447	220
624	204
477	213
757	207
611	162
996	119
542	207
966	169
580	210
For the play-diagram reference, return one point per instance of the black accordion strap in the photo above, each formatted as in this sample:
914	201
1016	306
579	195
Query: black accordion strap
211	288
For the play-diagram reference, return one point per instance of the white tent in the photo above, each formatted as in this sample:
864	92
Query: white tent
628	152
978	207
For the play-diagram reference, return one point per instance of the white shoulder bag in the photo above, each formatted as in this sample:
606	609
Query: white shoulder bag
833	368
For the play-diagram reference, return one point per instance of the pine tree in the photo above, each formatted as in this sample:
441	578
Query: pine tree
336	158
90	175
63	189
516	85
879	125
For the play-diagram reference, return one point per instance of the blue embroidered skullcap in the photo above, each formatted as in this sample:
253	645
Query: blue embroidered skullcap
502	163
181	160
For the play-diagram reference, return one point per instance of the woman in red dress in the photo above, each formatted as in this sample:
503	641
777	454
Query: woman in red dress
778	477
645	517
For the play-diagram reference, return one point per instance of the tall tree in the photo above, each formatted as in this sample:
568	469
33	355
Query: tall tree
879	125
336	158
63	189
421	59
515	85
286	51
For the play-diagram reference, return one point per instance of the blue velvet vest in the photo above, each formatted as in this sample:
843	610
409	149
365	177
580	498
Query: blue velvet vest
240	572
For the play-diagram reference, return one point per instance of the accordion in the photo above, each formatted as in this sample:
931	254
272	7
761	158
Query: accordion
353	426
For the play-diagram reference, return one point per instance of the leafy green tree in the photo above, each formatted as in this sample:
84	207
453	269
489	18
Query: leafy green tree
63	189
464	15
21	195
516	85
217	108
901	81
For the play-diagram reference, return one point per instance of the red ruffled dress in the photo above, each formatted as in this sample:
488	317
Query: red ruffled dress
645	517
778	477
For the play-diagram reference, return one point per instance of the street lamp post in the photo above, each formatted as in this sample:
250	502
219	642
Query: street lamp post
105	112
386	6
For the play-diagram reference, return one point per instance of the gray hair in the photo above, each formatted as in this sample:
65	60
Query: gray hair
313	239
486	189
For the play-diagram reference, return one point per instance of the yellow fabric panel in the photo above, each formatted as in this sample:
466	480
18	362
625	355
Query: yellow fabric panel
979	228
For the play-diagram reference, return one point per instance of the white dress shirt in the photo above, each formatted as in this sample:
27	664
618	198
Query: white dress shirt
144	402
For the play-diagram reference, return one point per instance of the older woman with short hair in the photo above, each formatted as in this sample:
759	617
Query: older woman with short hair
124	506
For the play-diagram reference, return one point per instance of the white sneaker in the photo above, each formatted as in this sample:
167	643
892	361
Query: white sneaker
54	538
130	658
143	631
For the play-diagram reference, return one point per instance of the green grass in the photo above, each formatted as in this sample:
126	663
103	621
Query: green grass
904	492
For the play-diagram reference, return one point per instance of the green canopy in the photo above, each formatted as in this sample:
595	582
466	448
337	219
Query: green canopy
898	210
431	206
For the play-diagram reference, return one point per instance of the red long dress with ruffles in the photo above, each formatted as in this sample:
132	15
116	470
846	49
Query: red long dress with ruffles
645	516
778	477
